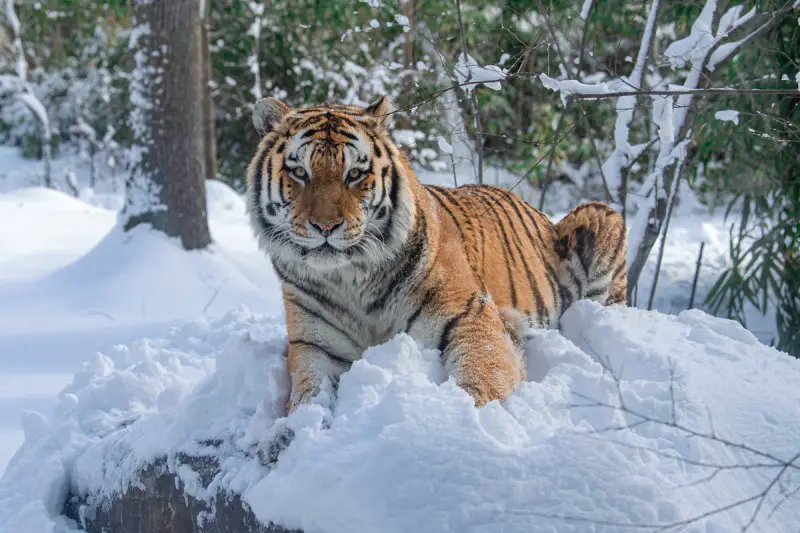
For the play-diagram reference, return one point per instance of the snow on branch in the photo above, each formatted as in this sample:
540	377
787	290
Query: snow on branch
469	74
570	87
626	105
726	50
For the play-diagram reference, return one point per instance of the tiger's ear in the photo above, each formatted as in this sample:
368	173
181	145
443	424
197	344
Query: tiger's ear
267	113
383	110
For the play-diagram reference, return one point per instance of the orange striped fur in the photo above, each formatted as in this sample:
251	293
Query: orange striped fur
365	251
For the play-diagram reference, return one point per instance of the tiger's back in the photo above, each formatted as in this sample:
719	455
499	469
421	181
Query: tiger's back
509	245
529	264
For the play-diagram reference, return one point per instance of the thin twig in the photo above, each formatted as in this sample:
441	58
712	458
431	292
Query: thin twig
673	92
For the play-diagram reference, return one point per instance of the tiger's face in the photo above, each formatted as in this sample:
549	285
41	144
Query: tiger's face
321	184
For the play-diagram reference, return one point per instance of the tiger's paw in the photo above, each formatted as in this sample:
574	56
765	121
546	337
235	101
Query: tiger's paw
492	378
280	439
484	393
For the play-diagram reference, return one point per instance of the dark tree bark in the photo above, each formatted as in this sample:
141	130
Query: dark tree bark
209	126
167	186
157	503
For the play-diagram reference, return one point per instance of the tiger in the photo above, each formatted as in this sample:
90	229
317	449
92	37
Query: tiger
364	251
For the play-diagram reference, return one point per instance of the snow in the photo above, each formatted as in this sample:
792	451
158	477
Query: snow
36	106
587	7
444	146
729	22
728	115
694	48
626	106
662	118
100	330
70	285
12	18
567	87
401	446
468	73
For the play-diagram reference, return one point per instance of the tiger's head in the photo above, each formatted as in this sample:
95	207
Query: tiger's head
325	186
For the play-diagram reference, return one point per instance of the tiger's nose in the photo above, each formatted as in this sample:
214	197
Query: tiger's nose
327	226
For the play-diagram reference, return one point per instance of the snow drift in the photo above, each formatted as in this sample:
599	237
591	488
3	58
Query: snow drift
401	449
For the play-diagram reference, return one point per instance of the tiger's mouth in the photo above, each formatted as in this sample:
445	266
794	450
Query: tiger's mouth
326	249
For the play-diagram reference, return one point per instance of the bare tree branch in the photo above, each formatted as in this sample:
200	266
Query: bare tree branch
473	97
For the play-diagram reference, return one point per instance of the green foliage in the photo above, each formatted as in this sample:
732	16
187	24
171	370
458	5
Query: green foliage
759	161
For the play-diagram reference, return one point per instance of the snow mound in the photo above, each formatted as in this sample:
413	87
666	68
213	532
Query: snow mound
403	449
223	201
128	277
50	199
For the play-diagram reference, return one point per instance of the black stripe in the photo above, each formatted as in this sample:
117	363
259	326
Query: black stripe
591	293
384	173
619	269
268	178
377	149
541	308
281	186
585	247
346	134
395	185
444	340
435	194
448	193
258	184
347	121
506	246
307	122
394	190
575	279
566	299
550	273
550	270
412	257
617	249
321	318
428	298
321	349
314	293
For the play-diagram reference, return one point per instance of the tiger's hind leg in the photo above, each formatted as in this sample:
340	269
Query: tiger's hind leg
591	245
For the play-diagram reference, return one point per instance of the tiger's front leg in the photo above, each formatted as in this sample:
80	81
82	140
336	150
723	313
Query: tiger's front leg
311	371
479	351
313	366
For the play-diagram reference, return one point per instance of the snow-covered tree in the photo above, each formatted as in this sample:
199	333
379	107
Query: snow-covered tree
27	95
167	185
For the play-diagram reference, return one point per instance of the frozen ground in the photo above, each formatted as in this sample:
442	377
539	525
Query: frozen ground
72	286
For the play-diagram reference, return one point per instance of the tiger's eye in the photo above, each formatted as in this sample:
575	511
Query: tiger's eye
354	173
300	172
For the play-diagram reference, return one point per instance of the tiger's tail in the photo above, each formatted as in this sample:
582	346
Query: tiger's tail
591	245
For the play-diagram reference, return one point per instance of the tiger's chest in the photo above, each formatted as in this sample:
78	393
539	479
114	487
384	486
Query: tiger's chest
352	311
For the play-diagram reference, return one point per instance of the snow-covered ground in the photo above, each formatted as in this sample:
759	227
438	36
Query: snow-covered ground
401	447
72	286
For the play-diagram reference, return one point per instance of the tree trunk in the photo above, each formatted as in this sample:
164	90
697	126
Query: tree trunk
167	186
209	126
